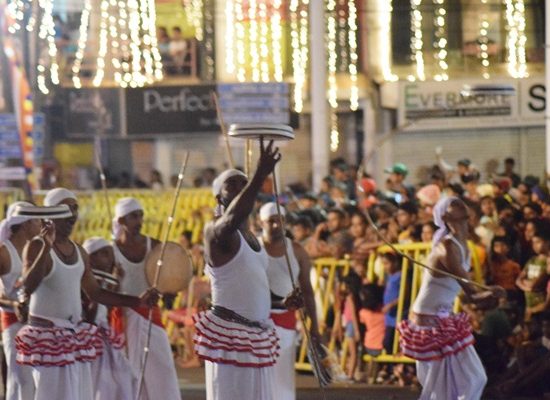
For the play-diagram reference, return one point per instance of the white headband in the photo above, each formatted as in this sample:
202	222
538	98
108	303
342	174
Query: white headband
124	207
221	178
57	195
439	211
12	220
268	210
94	244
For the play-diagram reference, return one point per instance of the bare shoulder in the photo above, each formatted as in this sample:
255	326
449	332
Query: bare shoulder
83	252
299	250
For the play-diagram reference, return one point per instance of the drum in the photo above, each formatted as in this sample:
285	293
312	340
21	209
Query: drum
176	270
256	131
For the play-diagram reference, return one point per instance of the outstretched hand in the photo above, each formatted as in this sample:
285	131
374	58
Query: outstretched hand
269	157
48	232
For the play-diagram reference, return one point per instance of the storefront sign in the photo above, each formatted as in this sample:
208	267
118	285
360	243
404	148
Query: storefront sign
170	110
447	105
91	112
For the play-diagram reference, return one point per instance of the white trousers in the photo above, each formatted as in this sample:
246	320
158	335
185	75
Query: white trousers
70	382
229	382
457	377
284	382
19	382
161	380
113	377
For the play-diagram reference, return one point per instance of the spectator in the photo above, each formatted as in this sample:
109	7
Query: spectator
163	43
331	238
406	218
156	180
503	271
397	189
178	49
509	164
302	228
372	317
341	174
392	268
533	278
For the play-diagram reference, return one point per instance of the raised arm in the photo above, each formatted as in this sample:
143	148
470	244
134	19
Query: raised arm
241	207
36	266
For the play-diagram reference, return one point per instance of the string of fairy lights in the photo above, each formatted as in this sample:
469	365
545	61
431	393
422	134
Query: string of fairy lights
516	39
440	45
484	41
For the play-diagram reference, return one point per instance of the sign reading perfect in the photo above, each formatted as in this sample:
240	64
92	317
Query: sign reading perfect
170	109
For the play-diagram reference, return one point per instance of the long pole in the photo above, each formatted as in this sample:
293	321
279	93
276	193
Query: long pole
157	273
223	129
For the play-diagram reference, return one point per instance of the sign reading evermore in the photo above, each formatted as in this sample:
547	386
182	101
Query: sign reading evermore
170	110
446	105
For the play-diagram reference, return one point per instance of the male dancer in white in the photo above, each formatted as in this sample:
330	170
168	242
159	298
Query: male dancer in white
447	366
113	377
284	387
56	342
15	231
131	247
236	338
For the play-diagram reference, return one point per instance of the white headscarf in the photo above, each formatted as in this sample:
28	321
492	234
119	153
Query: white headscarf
94	244
268	210
11	220
123	207
57	195
217	184
439	211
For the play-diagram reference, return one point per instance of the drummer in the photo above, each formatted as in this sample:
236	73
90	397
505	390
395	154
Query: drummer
131	248
113	378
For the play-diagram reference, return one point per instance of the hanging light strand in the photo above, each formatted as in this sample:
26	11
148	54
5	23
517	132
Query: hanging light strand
440	44
229	37
81	46
253	40
102	52
484	41
157	59
276	37
384	23
416	39
240	42
332	85
264	48
354	58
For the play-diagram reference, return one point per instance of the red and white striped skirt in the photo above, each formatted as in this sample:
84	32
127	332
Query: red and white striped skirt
227	342
448	336
58	346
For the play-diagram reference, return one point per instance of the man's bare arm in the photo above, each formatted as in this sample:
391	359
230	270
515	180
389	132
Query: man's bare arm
34	270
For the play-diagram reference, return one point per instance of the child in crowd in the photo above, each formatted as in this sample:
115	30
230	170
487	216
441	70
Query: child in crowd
502	270
372	317
392	268
350	291
533	278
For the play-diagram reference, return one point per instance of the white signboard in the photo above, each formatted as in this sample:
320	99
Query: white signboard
444	105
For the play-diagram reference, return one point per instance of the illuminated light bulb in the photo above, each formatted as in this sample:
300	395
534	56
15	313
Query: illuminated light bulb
331	47
441	43
239	28
276	37
417	42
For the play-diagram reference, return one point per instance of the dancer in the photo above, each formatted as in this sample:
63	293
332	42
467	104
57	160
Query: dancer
448	367
280	286
236	338
56	342
113	378
15	231
131	248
